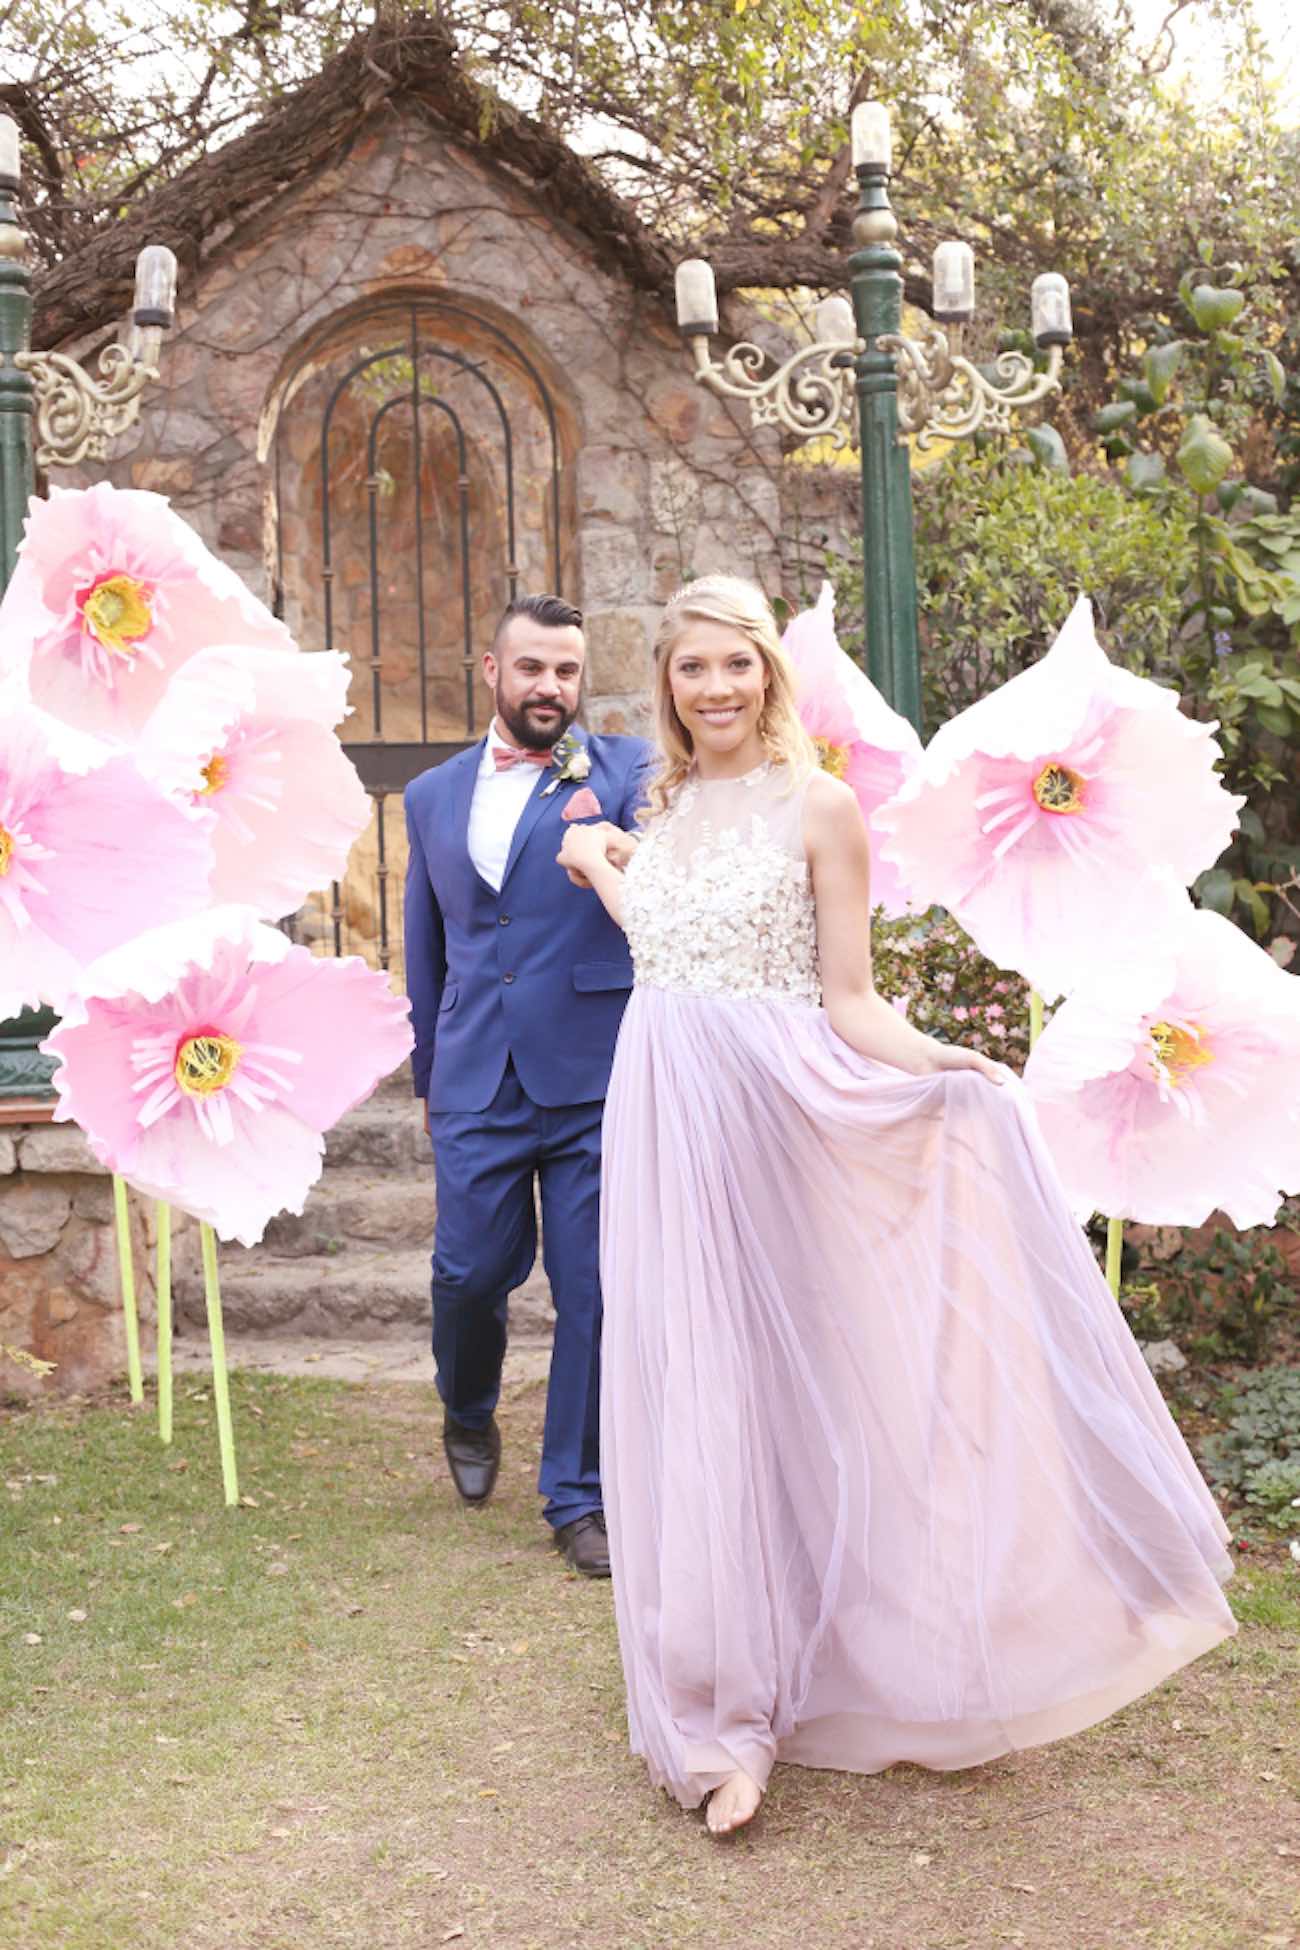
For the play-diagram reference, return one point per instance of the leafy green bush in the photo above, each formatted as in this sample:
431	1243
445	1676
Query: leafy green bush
1258	1454
929	967
1275	1488
1003	550
1222	1301
1200	427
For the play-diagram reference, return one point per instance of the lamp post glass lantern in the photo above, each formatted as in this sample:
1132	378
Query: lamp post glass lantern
864	380
53	414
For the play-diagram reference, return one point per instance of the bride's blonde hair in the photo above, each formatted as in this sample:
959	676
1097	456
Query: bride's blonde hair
741	606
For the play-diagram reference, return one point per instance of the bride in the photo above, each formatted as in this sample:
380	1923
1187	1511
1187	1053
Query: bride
885	1474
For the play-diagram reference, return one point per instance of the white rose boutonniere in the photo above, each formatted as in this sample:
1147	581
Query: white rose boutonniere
571	760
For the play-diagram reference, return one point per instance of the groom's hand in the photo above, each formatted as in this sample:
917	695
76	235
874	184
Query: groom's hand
427	1132
617	846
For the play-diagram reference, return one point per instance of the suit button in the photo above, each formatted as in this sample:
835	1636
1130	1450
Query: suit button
507	978
503	920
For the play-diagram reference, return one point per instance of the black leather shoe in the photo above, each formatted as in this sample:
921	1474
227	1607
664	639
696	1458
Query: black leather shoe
585	1544
474	1456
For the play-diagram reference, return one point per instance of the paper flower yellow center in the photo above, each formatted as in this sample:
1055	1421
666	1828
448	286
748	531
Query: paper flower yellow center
1059	790
6	851
215	773
832	758
1176	1051
116	611
206	1063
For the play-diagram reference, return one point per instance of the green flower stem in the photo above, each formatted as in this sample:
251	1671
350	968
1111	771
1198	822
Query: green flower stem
1114	1247
126	1274
1035	1016
163	1281
220	1379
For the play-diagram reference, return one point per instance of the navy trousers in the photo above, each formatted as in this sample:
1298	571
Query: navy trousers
485	1245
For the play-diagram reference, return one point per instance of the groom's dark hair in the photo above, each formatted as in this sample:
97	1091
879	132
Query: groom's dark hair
552	612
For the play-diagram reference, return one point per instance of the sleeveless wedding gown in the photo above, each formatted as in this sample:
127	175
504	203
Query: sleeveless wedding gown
886	1476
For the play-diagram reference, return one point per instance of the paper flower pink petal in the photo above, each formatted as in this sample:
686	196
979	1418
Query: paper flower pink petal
1166	1088
86	861
113	592
245	737
1062	812
205	1062
859	737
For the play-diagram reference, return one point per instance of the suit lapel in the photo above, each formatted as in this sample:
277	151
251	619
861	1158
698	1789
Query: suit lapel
536	806
528	818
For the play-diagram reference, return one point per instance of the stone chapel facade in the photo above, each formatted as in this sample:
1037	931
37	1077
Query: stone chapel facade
412	372
559	442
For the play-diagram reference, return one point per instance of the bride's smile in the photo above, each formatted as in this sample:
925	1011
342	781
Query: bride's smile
719	685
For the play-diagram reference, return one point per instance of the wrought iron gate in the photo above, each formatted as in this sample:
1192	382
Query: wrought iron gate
401	367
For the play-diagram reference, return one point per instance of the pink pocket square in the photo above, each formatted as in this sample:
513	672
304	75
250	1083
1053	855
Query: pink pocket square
583	805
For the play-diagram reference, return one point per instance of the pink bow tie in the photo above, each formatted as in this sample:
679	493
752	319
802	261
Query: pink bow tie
508	755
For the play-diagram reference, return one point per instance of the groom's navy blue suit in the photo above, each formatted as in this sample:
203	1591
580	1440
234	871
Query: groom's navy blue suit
517	999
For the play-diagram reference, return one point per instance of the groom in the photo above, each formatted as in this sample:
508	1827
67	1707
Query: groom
518	980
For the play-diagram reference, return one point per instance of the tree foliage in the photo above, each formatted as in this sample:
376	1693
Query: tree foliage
1039	129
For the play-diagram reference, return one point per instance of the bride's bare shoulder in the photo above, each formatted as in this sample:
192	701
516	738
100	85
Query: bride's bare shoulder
828	799
832	818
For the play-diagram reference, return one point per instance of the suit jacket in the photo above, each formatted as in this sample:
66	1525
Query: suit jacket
539	972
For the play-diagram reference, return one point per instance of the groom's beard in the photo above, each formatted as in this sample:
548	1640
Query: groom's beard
533	729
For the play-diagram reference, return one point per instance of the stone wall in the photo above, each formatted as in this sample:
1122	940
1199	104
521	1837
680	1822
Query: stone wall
666	482
659	480
59	1290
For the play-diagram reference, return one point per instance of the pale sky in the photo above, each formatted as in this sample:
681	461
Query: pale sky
1199	44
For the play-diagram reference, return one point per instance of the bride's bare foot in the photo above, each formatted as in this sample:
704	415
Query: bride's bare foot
732	1804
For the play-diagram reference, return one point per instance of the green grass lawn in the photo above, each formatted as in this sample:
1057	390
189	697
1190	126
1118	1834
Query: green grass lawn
353	1716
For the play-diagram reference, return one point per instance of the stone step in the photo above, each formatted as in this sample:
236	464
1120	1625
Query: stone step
395	1088
357	1293
384	1132
355	1206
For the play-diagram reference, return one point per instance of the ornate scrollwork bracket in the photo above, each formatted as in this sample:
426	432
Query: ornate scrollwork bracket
941	395
811	394
78	416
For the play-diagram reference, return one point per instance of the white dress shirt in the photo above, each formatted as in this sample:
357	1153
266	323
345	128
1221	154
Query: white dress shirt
495	810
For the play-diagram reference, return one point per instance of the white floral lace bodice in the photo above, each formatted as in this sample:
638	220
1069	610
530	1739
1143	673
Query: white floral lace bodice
717	898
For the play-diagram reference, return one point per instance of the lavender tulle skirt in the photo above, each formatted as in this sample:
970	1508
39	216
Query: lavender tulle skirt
885	1474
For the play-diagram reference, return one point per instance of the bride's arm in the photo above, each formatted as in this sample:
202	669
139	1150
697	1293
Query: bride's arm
586	855
839	860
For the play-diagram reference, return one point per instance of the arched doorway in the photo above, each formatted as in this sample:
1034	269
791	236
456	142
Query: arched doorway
418	480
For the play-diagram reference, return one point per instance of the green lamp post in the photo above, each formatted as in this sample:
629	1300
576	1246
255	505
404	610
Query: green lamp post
54	414
863	380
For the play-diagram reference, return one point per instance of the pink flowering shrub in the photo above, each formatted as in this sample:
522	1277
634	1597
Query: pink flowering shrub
930	968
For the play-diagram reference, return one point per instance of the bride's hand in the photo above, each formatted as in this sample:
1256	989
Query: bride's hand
951	1056
585	846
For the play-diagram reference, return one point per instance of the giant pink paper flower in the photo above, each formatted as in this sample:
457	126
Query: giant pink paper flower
205	1061
245	737
1062	813
859	737
1167	1088
113	592
88	858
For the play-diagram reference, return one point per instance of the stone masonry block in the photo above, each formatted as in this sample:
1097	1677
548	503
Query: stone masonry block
33	1213
8	1154
618	650
612	485
58	1147
614	567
